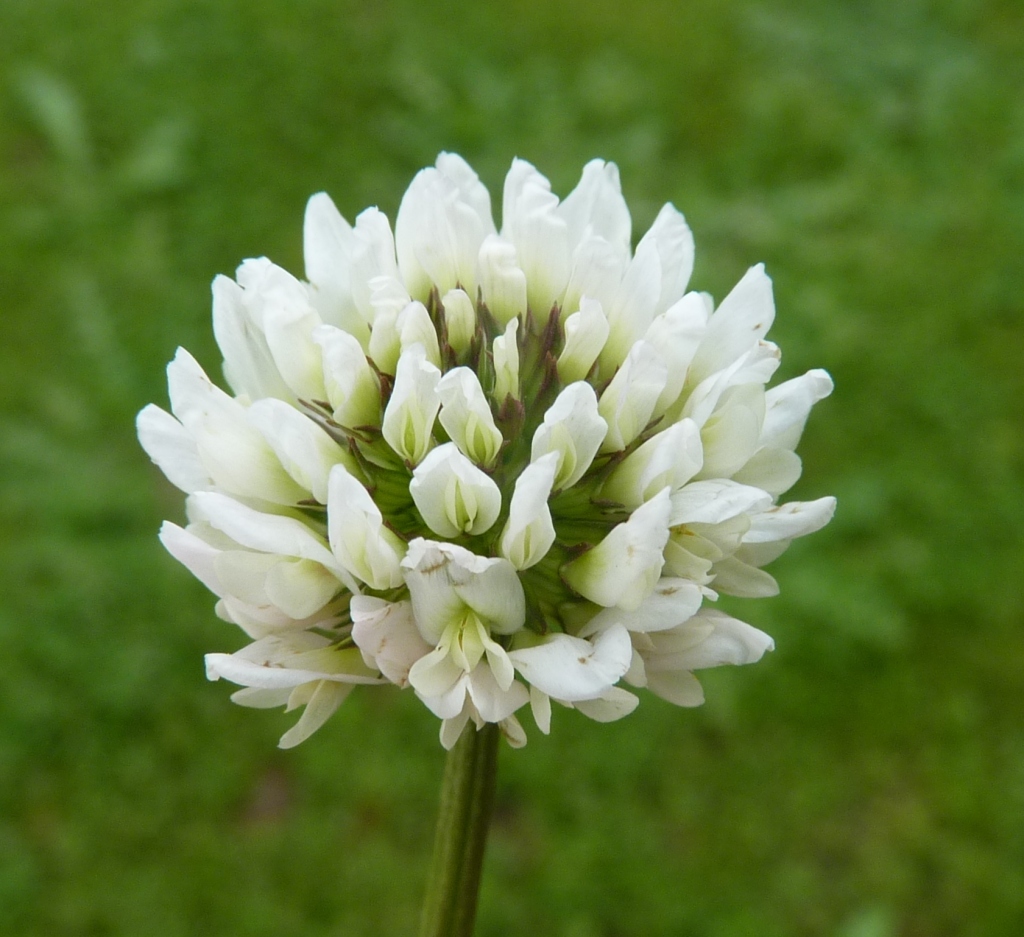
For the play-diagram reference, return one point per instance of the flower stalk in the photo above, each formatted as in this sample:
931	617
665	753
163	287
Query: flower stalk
467	800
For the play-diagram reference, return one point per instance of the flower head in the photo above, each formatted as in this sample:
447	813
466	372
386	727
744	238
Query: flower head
497	466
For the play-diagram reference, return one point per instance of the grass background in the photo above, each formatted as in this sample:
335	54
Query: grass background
867	780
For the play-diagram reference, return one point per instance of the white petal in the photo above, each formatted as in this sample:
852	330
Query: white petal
672	239
267	533
172	449
505	350
742	319
634	306
373	257
529	531
574	428
615	704
502	282
624	567
677	686
730	435
460	319
672	602
409	417
195	554
572	669
774	470
466	416
540	704
531	222
597	205
323	704
305	451
248	364
453	495
451	729
675	335
353	389
788	406
237	458
711	502
597	269
328	245
493	702
386	634
512	731
300	587
444	579
288	319
787	521
671	457
710	639
274	671
440	225
359	539
734	577
435	602
585	334
415	328
434	677
628	402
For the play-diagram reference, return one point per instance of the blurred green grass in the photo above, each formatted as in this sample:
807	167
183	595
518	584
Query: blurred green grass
865	781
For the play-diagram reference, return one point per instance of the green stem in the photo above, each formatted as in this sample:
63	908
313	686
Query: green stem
467	797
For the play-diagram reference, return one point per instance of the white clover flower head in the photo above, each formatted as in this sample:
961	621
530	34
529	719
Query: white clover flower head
498	466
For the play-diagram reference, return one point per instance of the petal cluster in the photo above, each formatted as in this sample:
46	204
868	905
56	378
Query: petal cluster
498	465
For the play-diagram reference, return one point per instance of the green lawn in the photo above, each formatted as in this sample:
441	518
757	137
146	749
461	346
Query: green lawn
867	780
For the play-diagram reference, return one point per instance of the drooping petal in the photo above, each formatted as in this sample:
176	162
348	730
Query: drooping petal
321	705
571	669
614	704
672	602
